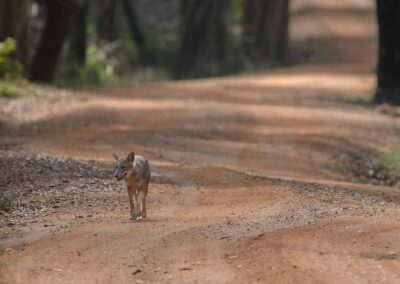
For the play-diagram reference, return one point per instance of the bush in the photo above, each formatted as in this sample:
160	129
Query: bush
16	88
10	68
392	159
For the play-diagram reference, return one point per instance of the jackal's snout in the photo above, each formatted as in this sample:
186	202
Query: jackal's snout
119	175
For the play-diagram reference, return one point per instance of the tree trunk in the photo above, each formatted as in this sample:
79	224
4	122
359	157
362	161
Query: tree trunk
251	23
266	29
220	29
388	73
106	21
58	18
14	23
133	22
204	36
78	35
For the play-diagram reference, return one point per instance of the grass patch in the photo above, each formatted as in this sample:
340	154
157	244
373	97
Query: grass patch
391	160
16	89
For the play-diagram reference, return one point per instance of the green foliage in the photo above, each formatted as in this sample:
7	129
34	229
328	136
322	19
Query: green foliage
11	71
10	68
99	71
16	88
392	159
91	31
237	11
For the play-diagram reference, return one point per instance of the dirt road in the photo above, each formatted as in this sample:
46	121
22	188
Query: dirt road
264	178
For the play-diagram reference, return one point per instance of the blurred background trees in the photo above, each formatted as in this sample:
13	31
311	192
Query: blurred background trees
86	43
83	43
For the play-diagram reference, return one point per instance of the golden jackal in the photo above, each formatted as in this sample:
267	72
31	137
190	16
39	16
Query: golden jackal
135	171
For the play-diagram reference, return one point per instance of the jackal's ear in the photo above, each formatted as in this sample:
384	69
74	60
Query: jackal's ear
115	157
131	156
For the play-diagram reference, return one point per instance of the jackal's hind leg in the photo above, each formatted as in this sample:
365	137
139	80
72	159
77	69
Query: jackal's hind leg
144	211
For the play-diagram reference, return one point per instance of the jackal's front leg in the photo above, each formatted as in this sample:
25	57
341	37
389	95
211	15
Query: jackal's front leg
130	193
136	211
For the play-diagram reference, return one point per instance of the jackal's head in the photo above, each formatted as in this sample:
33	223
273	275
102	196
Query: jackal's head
124	166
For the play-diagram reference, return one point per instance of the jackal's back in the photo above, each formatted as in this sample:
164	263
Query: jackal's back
141	168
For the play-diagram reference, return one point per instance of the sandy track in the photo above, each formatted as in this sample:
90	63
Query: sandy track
241	192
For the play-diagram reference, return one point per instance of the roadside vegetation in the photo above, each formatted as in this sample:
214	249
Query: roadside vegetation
12	84
17	88
391	160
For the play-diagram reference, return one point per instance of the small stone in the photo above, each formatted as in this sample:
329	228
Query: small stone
137	271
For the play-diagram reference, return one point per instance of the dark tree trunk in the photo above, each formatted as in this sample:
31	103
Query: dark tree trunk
251	22
191	35
266	29
388	87
133	22
14	23
106	21
220	29
77	39
58	17
204	36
